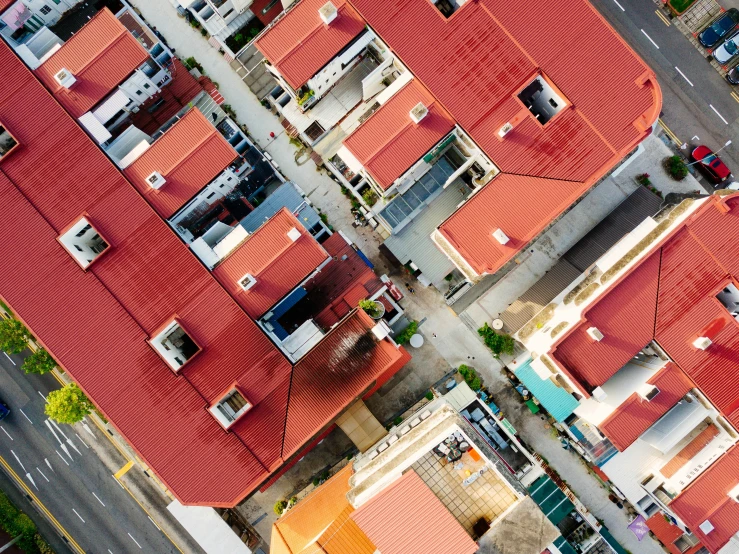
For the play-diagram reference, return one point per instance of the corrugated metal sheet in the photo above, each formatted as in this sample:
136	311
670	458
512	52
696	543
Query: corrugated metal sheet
189	155
557	401
5	4
407	518
667	533
100	56
707	498
278	263
689	451
285	196
635	415
389	142
300	44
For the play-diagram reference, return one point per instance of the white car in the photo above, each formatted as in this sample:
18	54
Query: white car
727	50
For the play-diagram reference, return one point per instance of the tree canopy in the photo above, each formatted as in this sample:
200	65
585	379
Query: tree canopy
39	362
14	336
68	404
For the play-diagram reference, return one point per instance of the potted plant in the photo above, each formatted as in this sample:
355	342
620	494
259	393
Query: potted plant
373	308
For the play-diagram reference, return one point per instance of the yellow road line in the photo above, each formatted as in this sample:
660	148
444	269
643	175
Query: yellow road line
672	135
662	17
121	472
735	96
43	508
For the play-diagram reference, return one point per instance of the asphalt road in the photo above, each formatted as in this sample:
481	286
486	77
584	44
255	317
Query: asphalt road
697	100
58	465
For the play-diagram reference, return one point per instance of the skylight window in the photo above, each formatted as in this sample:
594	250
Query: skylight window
7	142
230	408
174	345
448	7
729	297
542	100
84	242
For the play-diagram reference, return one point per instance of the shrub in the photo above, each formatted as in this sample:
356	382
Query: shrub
204	32
15	523
229	110
429	395
405	335
280	507
676	167
192	63
39	362
370	307
42	545
305	97
470	377
14	336
643	179
370	197
499	343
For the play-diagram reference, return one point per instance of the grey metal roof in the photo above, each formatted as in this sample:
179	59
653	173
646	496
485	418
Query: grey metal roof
413	242
285	196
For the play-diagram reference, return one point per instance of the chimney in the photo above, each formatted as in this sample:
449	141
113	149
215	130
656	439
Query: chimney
702	343
595	334
65	78
500	236
328	12
599	394
418	112
155	180
293	234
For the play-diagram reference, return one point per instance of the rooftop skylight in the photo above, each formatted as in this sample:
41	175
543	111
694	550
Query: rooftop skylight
232	406
542	100
729	297
83	242
174	345
7	142
448	7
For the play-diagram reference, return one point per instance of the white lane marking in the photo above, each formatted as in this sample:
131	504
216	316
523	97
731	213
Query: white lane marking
696	137
62	457
109	551
683	75
119	483
11	359
79	516
718	114
87	428
4	431
48	463
61	444
24	415
83	442
134	540
28	476
96	496
154	522
42	395
42	475
66	438
650	39
620	6
18	459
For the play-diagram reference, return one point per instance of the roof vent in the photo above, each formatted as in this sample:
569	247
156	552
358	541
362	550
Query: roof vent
293	234
65	78
155	180
505	129
595	334
328	12
247	281
734	493
702	343
647	392
381	330
418	112
599	394
500	236
706	527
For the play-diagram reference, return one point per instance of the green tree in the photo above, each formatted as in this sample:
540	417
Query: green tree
68	404
39	362
14	336
499	343
370	306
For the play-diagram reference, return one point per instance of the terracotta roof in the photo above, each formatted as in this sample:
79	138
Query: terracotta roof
707	498
320	523
334	373
278	263
5	4
636	414
668	533
101	55
258	7
189	155
407	518
679	460
521	206
300	44
389	142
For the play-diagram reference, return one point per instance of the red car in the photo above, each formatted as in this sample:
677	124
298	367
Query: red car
711	164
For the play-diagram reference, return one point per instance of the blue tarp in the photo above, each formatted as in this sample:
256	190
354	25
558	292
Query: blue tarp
557	401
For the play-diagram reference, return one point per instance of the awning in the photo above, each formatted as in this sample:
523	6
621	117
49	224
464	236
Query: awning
114	104
95	128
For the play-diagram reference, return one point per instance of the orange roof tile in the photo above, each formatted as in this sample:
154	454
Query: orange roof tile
668	533
690	450
101	55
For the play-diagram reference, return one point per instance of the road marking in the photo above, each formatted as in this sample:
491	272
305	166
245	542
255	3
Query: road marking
48	463
42	475
147	513
43	508
119	483
62	457
109	551
735	96
620	6
683	75
155	525
134	540
4	431
87	428
61	444
83	442
670	134
650	39
78	515
696	137
718	114
662	17
96	496
24	415
18	460
11	359
42	395
28	476
121	472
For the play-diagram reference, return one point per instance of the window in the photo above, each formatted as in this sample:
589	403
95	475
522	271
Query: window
83	242
7	142
729	298
230	408
174	345
448	7
45	10
542	100
147	86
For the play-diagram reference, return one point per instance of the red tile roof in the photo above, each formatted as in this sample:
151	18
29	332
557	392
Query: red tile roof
636	414
146	277
521	206
258	7
301	44
189	155
5	4
101	55
668	533
687	453
334	373
278	263
707	498
407	518
389	142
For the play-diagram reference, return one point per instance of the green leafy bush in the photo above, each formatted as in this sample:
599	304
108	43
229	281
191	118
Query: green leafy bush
14	336
39	362
429	395
280	507
499	343
370	307
676	167
16	523
405	335
470	377
370	197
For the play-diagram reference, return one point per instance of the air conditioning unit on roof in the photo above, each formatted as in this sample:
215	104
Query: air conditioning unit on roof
247	281
734	493
599	394
595	334
65	78
155	180
293	234
328	12
702	343
418	112
500	236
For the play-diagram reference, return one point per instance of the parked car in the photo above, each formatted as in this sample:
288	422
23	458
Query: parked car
712	35
728	49
4	410
733	75
711	164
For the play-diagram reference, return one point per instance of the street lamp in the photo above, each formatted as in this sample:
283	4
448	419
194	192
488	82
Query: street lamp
728	142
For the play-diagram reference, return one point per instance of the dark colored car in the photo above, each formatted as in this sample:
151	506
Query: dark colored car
711	164
4	410
733	75
712	35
